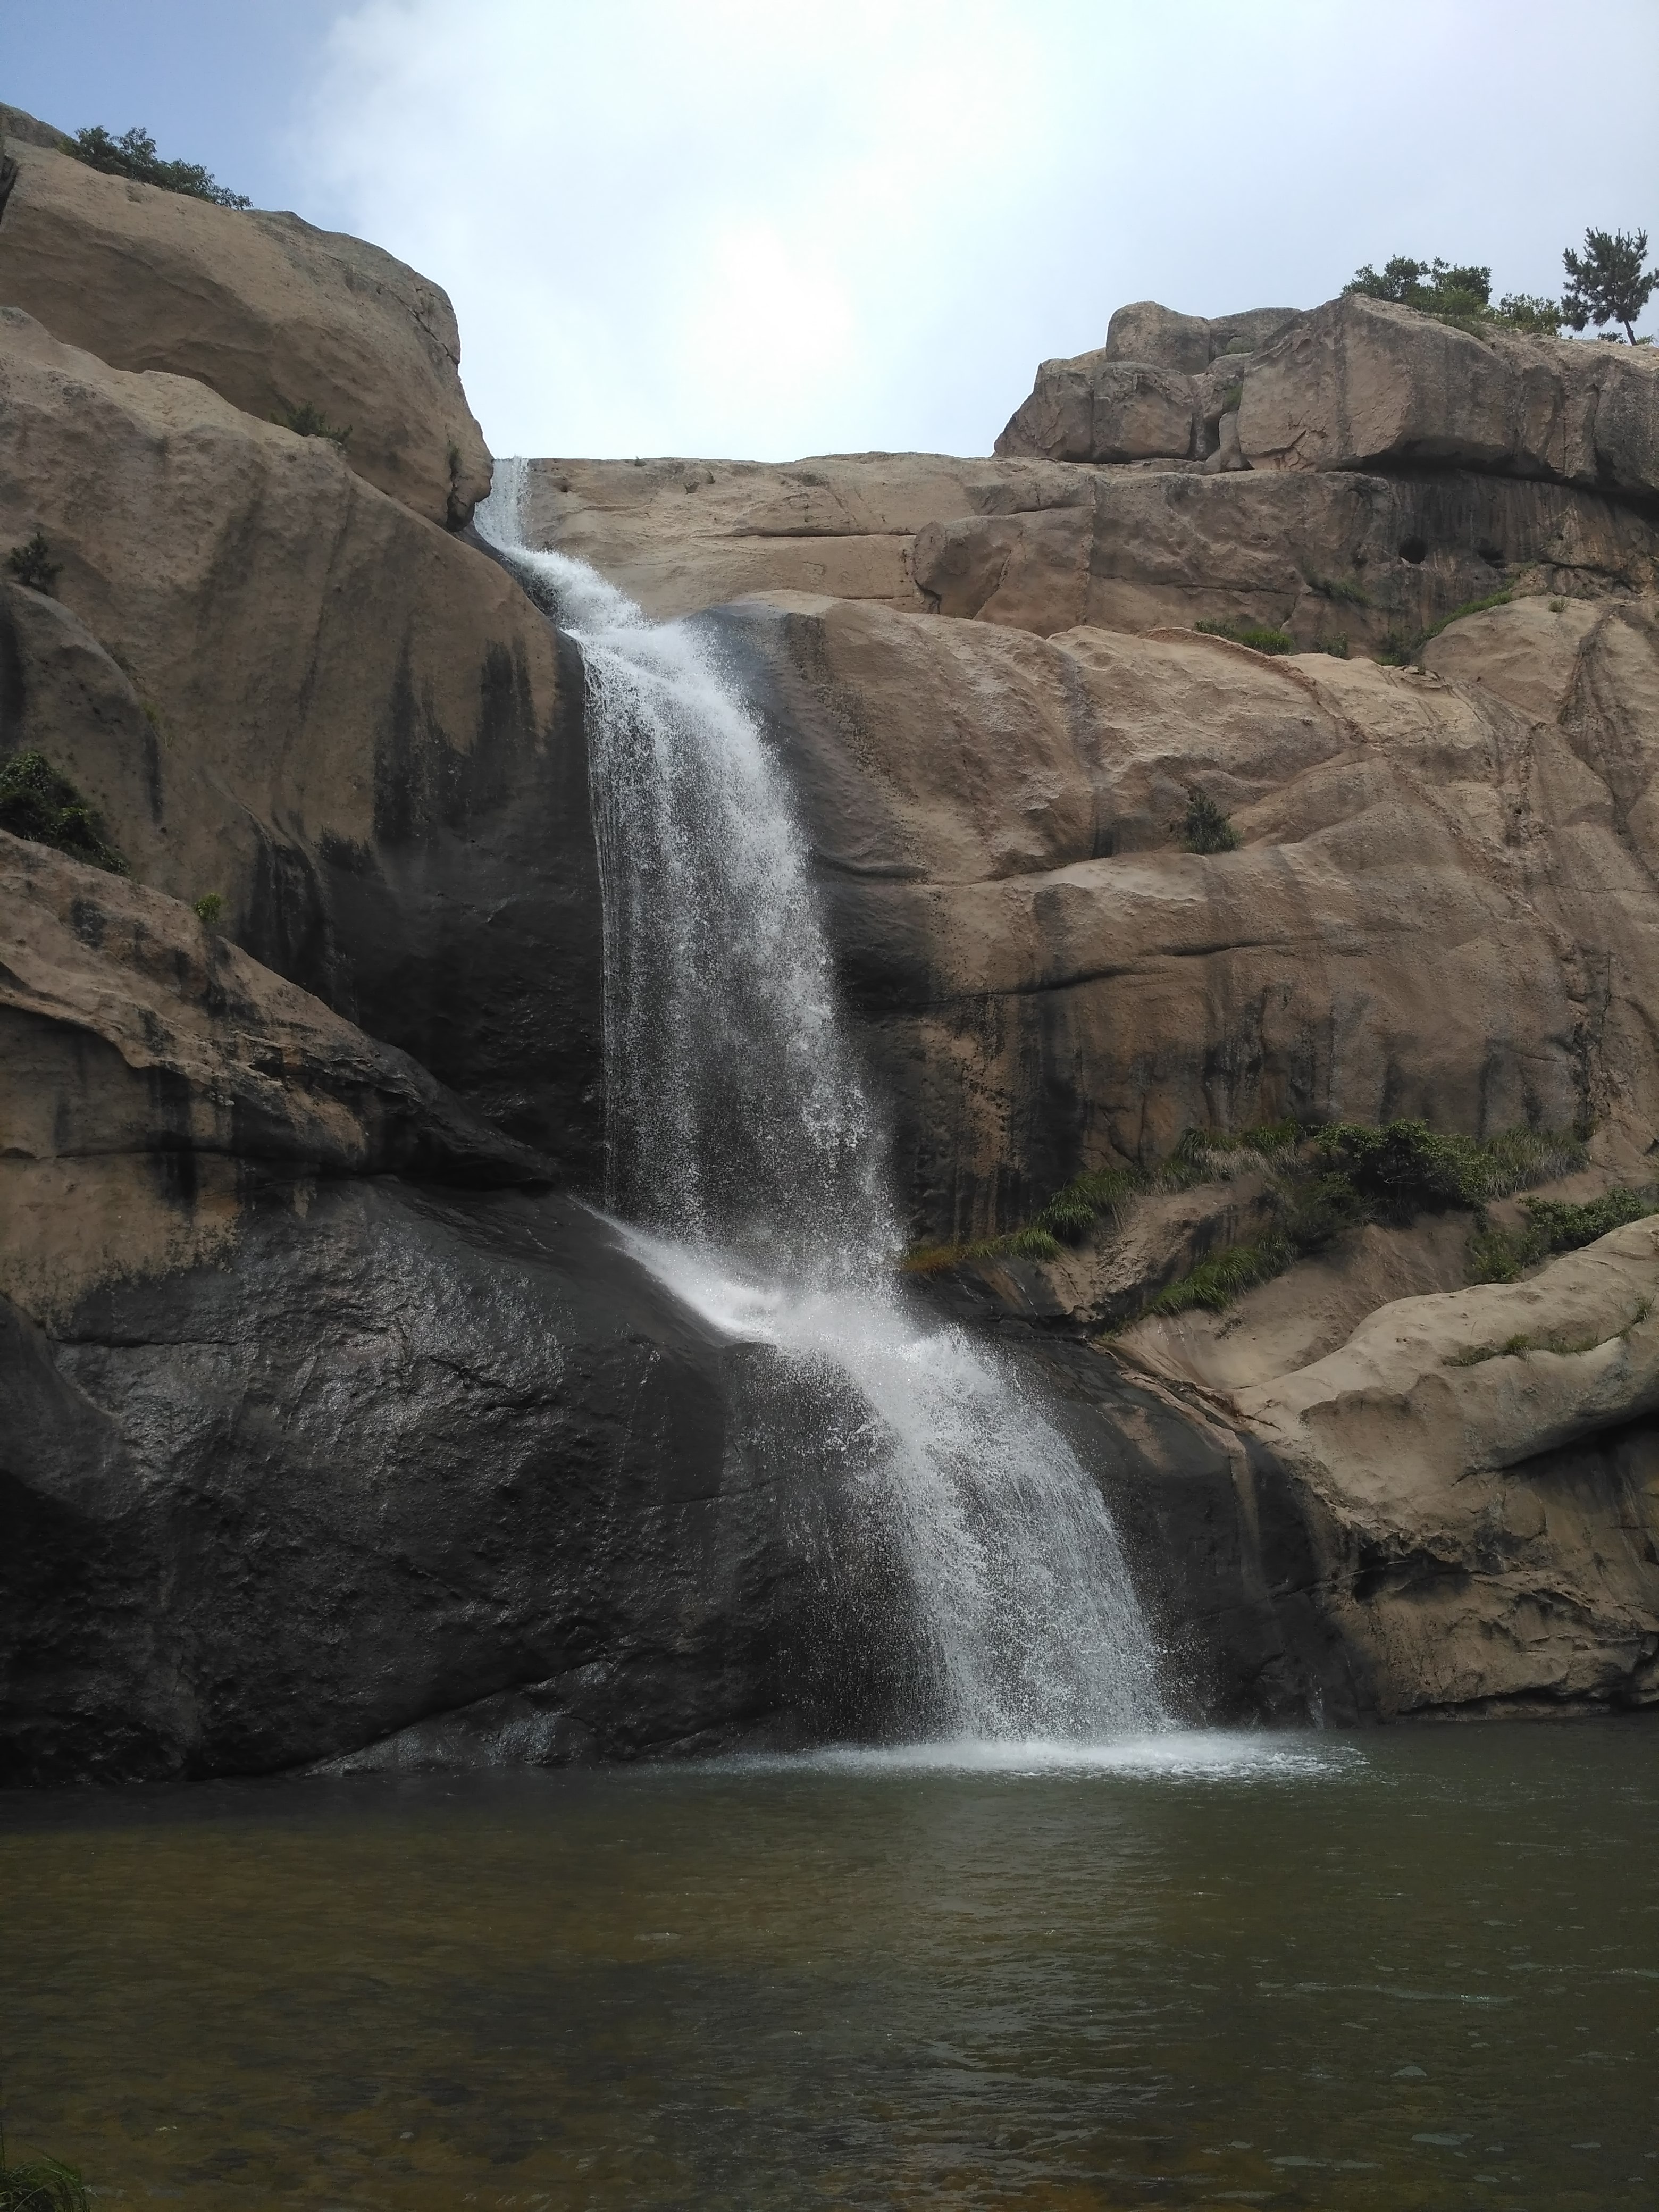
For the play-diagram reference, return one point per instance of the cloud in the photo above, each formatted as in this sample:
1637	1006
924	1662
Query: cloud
718	227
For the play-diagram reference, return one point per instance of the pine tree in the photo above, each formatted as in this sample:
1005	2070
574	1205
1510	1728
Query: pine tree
1606	283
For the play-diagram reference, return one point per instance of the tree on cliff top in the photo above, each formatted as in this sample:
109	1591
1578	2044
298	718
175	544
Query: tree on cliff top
1456	294
133	155
1606	284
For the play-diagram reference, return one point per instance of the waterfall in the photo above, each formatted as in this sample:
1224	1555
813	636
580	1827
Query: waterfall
747	1167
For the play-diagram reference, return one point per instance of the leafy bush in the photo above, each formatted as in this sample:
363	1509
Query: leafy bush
1460	295
133	155
1406	1167
1261	637
37	803
1336	645
307	421
208	909
1207	829
1348	589
1232	397
1500	1255
31	562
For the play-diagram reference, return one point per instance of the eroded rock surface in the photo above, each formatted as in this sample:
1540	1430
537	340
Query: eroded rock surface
279	685
268	312
1442	904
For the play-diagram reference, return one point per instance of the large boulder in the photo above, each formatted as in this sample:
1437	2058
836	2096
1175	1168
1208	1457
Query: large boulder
1097	408
271	312
279	685
1442	905
1481	1469
1161	388
1362	384
1329	556
1144	331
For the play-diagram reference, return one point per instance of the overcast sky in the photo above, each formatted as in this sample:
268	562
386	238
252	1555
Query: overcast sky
773	228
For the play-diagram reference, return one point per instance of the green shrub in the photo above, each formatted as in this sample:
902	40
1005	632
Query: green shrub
37	803
1231	396
1207	829
1261	637
1349	592
1224	1276
133	155
1501	1256
1458	294
1469	607
1336	646
208	909
307	421
31	564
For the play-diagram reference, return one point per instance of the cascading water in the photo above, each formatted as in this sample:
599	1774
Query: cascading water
746	1164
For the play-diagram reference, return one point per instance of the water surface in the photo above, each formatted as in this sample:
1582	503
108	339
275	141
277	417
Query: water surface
1412	1969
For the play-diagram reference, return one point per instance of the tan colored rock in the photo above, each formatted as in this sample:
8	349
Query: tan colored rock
269	312
143	1057
1094	408
280	685
1436	910
678	536
1327	555
1486	1476
1362	382
1144	331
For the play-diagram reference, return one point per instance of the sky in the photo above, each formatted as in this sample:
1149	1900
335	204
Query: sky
767	228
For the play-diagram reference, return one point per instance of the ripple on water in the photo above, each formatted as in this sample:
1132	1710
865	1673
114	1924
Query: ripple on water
1179	1754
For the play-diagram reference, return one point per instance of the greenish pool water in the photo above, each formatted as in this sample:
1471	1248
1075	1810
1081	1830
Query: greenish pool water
1412	1969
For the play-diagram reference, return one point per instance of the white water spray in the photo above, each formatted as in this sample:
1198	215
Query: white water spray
747	1166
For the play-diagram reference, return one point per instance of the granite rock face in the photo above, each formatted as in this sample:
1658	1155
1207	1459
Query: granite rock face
268	312
1345	560
1482	1473
1362	384
1443	903
279	685
679	536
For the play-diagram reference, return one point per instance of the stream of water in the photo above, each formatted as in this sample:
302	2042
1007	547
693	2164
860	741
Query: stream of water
747	1164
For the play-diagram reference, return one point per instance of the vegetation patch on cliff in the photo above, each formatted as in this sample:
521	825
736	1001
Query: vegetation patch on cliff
1552	1225
1323	1182
134	155
37	802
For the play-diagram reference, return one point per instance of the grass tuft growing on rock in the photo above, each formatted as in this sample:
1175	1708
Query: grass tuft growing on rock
307	421
31	562
1552	1225
37	802
1404	648
1207	829
1261	637
1347	591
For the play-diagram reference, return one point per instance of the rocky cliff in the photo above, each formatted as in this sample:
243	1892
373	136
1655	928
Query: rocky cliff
339	1427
